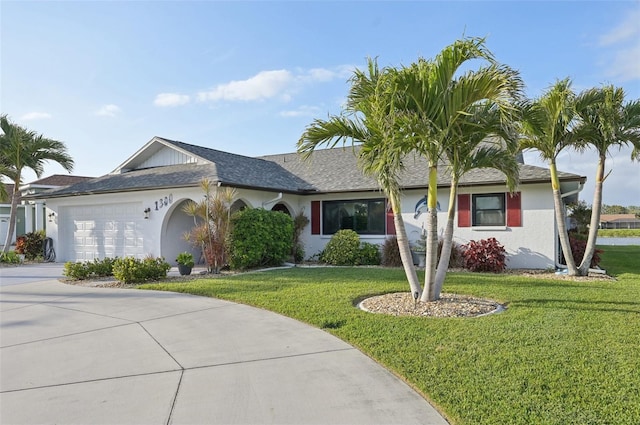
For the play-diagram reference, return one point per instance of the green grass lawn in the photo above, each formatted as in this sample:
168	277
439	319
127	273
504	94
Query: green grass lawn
619	233
564	352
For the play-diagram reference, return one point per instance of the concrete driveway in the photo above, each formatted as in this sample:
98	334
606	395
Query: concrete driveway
77	355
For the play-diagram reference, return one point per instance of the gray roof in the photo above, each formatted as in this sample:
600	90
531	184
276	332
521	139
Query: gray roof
336	170
326	171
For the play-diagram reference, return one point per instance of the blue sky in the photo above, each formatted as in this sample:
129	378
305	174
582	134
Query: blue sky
248	77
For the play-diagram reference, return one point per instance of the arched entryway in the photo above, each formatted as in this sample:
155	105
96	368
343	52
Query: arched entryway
176	224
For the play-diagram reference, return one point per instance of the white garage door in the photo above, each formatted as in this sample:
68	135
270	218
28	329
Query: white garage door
88	232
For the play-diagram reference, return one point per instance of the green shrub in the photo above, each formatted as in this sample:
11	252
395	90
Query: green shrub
101	268
368	254
31	244
88	269
260	238
132	270
10	257
77	271
343	249
391	253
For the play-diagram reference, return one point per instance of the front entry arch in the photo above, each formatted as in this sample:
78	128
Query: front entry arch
176	224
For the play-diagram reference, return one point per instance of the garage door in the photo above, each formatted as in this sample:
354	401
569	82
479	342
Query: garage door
88	232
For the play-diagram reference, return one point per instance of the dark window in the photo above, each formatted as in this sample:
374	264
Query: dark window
366	217
488	210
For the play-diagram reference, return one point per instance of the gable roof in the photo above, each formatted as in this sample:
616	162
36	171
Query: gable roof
327	171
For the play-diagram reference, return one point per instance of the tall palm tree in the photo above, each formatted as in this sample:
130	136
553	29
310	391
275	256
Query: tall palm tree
369	120
22	149
606	122
489	140
550	124
437	99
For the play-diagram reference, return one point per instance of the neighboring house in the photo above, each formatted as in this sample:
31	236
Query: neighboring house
31	215
619	221
137	210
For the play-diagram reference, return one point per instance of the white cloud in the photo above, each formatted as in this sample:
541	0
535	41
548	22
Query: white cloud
31	116
623	45
628	29
281	84
264	85
171	99
110	110
302	111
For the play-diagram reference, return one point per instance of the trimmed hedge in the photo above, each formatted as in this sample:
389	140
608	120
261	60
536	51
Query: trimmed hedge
260	238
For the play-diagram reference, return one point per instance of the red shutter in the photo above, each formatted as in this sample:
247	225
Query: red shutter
464	210
514	210
391	225
315	217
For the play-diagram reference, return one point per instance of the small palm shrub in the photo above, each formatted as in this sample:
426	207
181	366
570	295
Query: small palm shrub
391	253
486	255
260	238
133	270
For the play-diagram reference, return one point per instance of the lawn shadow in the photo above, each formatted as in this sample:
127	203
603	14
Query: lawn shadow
579	305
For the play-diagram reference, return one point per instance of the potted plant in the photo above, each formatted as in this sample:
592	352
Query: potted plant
185	263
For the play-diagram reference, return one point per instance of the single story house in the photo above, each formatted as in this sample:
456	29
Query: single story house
137	210
619	221
31	214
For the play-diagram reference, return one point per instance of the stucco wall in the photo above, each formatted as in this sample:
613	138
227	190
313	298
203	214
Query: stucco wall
530	246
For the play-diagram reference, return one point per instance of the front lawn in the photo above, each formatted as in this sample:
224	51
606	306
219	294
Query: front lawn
564	352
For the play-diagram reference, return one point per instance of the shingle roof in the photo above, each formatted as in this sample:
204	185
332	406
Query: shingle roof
60	180
341	165
327	171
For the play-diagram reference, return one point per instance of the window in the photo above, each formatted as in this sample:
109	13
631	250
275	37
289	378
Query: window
488	210
366	217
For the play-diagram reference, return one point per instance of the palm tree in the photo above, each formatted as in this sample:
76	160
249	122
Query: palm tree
606	122
489	141
22	149
212	224
436	102
369	120
550	124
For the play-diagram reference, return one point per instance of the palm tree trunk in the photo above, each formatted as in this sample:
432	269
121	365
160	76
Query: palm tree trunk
432	237
12	215
561	221
405	249
447	242
596	209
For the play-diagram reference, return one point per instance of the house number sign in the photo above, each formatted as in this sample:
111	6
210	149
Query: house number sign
164	202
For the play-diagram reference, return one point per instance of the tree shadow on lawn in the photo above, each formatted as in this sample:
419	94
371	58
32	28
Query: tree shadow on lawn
564	304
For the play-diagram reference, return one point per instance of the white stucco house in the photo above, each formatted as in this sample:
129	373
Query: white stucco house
136	210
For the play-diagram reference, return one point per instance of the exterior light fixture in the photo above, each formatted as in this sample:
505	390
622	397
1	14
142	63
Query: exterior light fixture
51	216
146	212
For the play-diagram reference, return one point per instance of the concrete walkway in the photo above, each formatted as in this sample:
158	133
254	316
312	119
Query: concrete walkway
77	355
